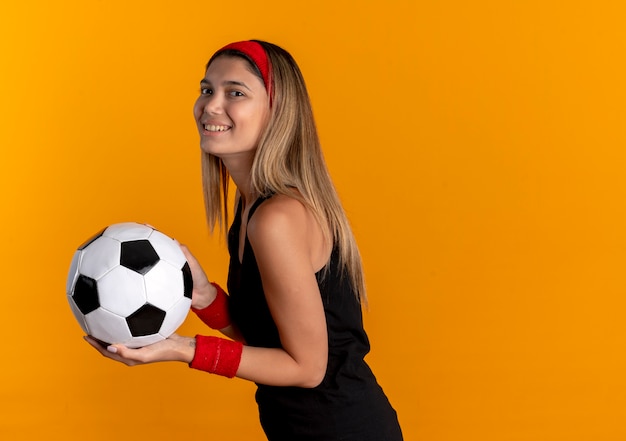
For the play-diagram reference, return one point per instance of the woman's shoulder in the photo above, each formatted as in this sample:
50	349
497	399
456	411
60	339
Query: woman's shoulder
279	212
280	202
285	224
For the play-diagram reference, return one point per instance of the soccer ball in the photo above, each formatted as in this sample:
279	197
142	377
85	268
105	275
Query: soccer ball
129	284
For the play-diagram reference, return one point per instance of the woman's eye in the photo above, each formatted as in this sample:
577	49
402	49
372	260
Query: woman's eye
206	91
236	93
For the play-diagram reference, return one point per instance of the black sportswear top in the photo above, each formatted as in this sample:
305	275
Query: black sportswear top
348	404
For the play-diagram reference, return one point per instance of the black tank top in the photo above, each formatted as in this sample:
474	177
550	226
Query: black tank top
349	403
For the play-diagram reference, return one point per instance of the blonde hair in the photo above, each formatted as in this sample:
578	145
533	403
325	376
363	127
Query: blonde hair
288	157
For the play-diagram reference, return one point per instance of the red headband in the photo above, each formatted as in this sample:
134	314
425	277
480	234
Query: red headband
257	54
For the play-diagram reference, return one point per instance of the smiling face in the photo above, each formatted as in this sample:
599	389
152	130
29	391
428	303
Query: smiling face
232	109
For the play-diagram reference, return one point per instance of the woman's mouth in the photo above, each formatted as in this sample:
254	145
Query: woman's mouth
215	128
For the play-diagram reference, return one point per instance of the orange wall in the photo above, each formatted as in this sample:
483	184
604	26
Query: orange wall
480	151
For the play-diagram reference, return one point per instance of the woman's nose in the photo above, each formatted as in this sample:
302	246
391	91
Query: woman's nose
213	104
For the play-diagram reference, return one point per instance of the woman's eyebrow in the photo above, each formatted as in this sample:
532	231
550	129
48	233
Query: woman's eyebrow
236	83
205	82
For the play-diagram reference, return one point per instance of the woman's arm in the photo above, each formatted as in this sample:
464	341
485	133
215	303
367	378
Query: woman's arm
288	244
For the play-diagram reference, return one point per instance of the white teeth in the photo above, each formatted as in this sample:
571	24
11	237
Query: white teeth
213	128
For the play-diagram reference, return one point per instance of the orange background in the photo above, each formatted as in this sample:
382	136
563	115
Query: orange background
479	148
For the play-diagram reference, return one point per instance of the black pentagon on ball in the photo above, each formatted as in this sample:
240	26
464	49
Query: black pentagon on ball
187	280
86	294
147	320
138	255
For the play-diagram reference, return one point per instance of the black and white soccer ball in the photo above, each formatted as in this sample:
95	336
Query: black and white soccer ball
129	284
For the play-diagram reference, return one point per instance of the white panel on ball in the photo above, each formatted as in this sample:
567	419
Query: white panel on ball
128	231
122	291
73	274
100	257
164	283
163	246
172	319
80	318
108	327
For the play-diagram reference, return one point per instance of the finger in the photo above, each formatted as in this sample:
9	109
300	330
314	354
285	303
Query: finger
92	341
125	354
110	351
193	262
186	251
99	346
199	276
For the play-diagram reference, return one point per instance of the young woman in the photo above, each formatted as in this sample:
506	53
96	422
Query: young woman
293	312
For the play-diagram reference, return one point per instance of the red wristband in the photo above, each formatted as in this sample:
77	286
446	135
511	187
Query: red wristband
216	315
217	355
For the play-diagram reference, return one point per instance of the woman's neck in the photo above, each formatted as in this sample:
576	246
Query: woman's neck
239	170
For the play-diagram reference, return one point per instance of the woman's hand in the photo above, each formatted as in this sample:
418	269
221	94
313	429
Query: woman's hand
203	292
174	348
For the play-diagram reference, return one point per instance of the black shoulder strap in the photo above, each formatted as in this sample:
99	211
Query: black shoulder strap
256	204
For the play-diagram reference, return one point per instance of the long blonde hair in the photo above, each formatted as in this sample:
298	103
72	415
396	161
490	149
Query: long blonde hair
288	157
